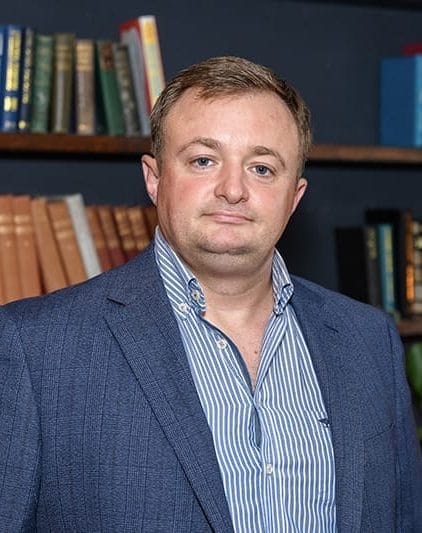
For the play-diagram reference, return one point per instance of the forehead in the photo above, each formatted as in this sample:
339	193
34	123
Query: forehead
262	113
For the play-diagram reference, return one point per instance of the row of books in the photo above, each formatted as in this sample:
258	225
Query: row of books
400	98
47	243
380	262
64	84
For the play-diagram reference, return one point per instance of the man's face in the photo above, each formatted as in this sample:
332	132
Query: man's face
227	184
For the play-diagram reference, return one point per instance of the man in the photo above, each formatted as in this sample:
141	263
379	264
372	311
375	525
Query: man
200	387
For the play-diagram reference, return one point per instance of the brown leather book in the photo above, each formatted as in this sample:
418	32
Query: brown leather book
111	235
66	241
29	269
139	227
8	251
52	269
99	237
125	231
150	213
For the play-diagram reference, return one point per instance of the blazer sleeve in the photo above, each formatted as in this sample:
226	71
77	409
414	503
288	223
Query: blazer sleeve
19	434
409	460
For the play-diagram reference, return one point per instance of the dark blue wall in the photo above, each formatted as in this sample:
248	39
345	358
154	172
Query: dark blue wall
330	52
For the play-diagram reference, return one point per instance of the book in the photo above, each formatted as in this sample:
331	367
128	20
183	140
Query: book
154	71
10	77
400	108
386	262
401	223
109	91
42	83
29	271
111	235
150	213
417	259
124	230
62	88
8	251
129	35
25	83
66	241
52	269
357	263
126	89
99	238
85	87
76	206
140	230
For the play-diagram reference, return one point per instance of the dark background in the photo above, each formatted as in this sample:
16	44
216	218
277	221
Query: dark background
329	50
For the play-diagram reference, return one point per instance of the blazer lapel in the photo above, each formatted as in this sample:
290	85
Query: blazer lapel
330	343
147	332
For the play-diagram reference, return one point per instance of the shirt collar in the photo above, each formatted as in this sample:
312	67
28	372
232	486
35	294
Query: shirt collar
185	292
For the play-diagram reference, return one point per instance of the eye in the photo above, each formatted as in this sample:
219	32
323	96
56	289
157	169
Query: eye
263	170
202	162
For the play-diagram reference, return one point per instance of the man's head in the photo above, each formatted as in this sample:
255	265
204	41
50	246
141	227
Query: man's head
227	173
229	76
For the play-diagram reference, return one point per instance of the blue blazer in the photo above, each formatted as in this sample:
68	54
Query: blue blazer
101	429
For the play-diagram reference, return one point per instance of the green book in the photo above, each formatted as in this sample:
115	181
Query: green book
61	105
41	83
108	89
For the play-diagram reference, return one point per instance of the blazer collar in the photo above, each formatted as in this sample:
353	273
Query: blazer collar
142	321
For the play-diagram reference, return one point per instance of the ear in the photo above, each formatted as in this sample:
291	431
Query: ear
301	187
151	176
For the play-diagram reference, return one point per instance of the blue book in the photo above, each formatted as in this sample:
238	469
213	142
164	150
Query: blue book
386	265
401	101
10	77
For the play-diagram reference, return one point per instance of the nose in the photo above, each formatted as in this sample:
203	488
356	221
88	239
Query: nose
231	185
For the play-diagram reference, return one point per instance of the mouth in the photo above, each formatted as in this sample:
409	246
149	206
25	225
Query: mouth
228	217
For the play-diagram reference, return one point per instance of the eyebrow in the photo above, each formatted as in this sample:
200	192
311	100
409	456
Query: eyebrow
213	144
208	142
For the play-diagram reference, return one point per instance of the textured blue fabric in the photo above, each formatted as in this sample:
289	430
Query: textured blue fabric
101	429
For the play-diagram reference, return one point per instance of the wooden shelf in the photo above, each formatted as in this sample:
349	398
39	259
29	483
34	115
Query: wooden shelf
105	145
410	327
55	144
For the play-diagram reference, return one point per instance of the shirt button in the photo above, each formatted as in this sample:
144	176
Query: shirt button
196	295
222	343
269	469
183	307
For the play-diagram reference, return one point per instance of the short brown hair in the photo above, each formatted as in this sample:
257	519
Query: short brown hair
225	76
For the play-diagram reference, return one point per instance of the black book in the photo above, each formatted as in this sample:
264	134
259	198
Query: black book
357	263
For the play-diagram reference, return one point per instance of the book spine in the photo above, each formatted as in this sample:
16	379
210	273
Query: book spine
62	82
9	84
124	230
41	84
110	232
26	80
110	92
417	260
130	36
99	238
85	87
386	262
152	56
29	271
66	241
126	90
372	266
139	227
8	251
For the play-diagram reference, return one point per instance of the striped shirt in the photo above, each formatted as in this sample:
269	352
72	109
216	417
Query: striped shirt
273	444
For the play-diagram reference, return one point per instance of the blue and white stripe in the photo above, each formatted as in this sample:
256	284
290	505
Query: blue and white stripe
273	444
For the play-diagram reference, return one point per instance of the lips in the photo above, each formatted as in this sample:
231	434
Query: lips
228	217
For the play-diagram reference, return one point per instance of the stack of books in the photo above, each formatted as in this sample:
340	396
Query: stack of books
47	243
380	263
64	84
